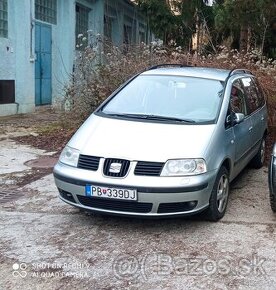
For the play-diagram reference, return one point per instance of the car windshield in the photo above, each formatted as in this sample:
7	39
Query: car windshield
169	97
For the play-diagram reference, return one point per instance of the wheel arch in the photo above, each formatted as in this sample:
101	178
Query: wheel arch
227	164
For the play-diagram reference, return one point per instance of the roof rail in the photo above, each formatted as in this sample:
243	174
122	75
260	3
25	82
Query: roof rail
168	64
239	71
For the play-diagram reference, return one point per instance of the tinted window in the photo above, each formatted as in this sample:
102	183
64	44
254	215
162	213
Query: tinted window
169	96
237	98
260	92
252	94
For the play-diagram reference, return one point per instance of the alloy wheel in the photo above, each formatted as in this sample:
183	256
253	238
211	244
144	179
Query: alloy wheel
222	192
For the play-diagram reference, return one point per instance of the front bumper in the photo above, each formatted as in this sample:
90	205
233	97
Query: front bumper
157	196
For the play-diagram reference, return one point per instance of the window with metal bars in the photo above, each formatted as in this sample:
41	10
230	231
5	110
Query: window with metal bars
82	16
108	27
4	18
142	33
46	10
107	33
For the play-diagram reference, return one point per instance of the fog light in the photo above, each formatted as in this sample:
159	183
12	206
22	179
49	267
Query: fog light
192	204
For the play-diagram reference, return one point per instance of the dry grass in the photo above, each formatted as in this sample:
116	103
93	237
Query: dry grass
97	77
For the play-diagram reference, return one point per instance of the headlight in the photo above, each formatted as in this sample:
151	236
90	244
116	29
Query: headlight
180	167
69	156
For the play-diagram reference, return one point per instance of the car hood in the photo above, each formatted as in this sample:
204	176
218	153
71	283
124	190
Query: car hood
139	140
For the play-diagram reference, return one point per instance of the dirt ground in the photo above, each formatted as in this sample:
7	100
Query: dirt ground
47	244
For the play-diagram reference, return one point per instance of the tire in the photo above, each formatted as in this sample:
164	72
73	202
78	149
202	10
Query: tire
218	204
272	184
258	160
273	202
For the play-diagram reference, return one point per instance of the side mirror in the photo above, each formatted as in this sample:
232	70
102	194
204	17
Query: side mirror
228	120
238	118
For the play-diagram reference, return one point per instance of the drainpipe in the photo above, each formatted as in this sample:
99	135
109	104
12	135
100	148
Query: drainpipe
32	56
17	107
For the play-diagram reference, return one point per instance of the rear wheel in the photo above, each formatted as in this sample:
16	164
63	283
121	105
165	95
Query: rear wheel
272	184
219	196
273	202
258	160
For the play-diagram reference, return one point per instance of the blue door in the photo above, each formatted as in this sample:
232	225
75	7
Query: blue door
43	64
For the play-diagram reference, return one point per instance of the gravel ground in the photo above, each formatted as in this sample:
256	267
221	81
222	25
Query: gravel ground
47	244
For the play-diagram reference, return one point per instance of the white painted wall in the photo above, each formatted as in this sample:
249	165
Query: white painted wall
17	57
15	54
24	80
63	48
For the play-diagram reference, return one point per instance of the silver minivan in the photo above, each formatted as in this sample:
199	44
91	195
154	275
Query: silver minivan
168	142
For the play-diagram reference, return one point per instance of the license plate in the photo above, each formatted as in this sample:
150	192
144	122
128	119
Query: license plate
110	192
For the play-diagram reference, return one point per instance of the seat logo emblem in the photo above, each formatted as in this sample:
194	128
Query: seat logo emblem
115	167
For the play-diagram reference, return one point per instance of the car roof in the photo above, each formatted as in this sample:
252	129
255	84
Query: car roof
199	72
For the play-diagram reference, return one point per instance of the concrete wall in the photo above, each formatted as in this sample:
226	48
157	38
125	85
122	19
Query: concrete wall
123	13
63	41
25	83
63	47
16	59
8	59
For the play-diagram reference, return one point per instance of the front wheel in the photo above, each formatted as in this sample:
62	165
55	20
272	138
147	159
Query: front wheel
219	196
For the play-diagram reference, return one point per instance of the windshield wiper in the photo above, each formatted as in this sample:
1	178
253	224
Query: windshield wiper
139	116
153	117
166	118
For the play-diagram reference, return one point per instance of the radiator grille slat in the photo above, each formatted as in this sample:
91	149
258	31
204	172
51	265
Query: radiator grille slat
88	162
143	168
148	168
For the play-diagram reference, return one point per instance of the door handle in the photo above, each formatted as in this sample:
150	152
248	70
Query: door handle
262	118
250	128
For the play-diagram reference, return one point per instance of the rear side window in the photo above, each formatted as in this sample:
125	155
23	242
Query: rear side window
260	92
253	100
237	98
237	102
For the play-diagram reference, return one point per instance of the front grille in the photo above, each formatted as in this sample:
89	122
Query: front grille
112	204
66	195
119	165
148	168
88	162
176	206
